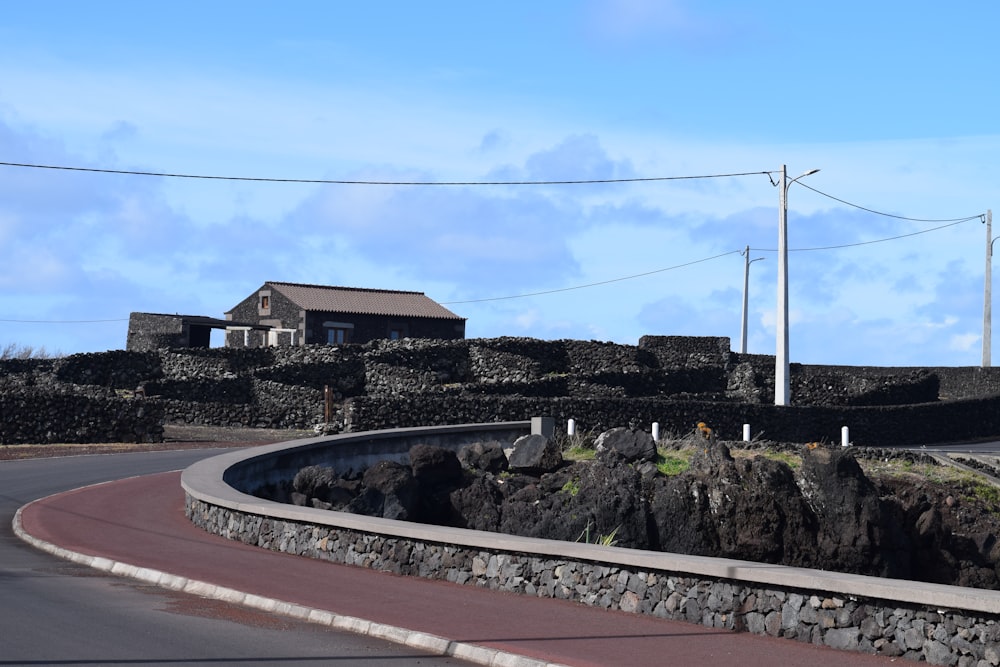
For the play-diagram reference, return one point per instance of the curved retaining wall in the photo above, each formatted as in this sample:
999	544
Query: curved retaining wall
943	625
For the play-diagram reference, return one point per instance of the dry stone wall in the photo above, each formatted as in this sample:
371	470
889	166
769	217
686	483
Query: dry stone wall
870	426
676	381
41	417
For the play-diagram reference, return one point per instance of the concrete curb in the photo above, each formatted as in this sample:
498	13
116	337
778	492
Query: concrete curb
433	644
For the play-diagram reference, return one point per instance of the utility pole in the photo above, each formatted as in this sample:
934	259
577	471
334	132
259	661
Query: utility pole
746	288
782	370
988	299
782	384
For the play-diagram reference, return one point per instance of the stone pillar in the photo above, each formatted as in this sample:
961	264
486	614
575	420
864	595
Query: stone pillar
543	426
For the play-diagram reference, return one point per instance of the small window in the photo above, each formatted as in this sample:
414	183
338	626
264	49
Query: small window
337	336
395	334
265	301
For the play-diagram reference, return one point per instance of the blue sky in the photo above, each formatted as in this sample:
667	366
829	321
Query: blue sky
894	102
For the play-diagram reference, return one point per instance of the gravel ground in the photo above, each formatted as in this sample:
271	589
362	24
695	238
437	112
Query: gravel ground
175	436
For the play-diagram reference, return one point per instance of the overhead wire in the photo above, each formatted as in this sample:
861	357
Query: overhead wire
951	222
957	221
589	181
117	319
889	215
602	282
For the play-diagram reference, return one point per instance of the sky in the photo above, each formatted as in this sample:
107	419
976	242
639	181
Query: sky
689	109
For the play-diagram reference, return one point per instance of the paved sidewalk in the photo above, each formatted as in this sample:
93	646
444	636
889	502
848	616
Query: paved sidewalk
136	527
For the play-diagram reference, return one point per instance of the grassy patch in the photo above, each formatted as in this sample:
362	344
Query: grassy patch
671	463
894	468
572	487
793	461
580	453
981	490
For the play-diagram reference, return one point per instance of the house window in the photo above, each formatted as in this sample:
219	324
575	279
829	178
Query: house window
264	303
336	336
395	333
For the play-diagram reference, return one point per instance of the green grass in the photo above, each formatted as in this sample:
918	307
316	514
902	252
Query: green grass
793	461
981	490
580	453
672	463
572	487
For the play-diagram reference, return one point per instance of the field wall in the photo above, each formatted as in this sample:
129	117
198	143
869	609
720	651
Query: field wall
676	381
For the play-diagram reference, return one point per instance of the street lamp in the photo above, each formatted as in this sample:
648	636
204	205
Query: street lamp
746	285
988	298
782	382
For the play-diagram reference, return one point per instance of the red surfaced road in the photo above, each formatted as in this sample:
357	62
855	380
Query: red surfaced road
140	521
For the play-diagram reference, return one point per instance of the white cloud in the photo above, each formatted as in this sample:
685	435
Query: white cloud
964	342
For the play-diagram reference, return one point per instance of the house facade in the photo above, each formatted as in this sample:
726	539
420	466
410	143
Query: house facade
298	314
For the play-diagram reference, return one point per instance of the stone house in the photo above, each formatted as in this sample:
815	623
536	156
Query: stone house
300	314
151	331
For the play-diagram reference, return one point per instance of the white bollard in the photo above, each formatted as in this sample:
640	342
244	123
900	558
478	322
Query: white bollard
571	427
845	437
746	433
656	431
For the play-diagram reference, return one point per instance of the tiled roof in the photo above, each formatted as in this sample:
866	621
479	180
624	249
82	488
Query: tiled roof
362	301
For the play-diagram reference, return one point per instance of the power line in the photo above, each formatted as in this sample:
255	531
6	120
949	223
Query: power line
951	222
890	215
346	182
603	282
890	238
120	319
706	259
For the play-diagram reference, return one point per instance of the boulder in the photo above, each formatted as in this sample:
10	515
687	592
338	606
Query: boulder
483	456
313	481
437	473
535	454
477	506
387	490
633	444
851	536
435	466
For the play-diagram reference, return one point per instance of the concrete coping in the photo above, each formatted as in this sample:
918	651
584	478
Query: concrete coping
204	481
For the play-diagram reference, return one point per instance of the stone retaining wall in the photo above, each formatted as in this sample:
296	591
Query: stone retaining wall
943	625
849	623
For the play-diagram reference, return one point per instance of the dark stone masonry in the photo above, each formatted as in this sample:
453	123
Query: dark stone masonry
867	625
676	381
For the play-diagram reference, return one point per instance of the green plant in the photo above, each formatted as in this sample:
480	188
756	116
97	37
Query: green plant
577	447
672	463
979	489
580	454
608	540
572	487
793	461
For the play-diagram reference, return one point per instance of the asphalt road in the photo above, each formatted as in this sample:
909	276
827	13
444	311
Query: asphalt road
990	448
59	613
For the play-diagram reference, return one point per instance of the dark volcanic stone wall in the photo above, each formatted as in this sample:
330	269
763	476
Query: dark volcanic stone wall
951	421
676	381
39	417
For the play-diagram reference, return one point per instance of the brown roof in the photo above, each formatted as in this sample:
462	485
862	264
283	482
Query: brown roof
362	301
